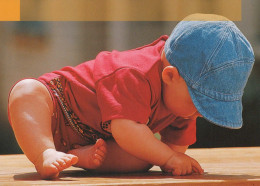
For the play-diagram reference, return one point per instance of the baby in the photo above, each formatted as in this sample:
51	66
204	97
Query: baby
102	114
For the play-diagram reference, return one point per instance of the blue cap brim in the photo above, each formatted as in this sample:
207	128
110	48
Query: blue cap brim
223	113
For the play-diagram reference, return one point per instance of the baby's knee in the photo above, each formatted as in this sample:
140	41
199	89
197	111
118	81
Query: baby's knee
21	89
25	90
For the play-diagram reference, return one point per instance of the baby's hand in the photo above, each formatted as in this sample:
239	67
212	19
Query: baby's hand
180	164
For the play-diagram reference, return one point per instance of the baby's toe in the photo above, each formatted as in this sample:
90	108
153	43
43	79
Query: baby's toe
98	160
70	159
66	159
100	153
57	165
103	149
97	156
100	142
74	159
62	164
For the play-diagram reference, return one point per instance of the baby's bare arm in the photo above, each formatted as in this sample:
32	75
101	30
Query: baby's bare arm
138	140
177	148
174	147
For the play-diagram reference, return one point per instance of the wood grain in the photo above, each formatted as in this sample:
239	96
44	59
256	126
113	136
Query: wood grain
223	166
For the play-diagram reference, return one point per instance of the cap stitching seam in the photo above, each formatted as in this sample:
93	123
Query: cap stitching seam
236	62
216	70
214	53
230	63
239	48
174	45
238	96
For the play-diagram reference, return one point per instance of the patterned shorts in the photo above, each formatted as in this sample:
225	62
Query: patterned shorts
68	131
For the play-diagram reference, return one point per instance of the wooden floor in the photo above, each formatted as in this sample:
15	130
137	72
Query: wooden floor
223	166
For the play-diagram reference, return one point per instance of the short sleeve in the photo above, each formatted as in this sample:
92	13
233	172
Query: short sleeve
181	132
125	94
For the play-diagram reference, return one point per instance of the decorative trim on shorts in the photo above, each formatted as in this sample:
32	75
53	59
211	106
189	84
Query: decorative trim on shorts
85	131
106	126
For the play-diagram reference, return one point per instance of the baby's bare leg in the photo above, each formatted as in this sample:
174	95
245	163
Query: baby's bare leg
30	109
119	161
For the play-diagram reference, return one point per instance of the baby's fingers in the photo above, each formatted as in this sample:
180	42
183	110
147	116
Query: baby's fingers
179	172
176	172
196	167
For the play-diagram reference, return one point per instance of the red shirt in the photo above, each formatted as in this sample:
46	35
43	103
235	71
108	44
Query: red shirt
124	85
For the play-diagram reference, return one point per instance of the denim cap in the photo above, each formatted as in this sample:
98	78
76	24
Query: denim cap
215	60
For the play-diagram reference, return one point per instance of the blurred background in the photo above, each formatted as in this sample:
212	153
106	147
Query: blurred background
29	49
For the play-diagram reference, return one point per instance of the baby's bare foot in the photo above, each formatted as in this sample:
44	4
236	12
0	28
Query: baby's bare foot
52	162
91	156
